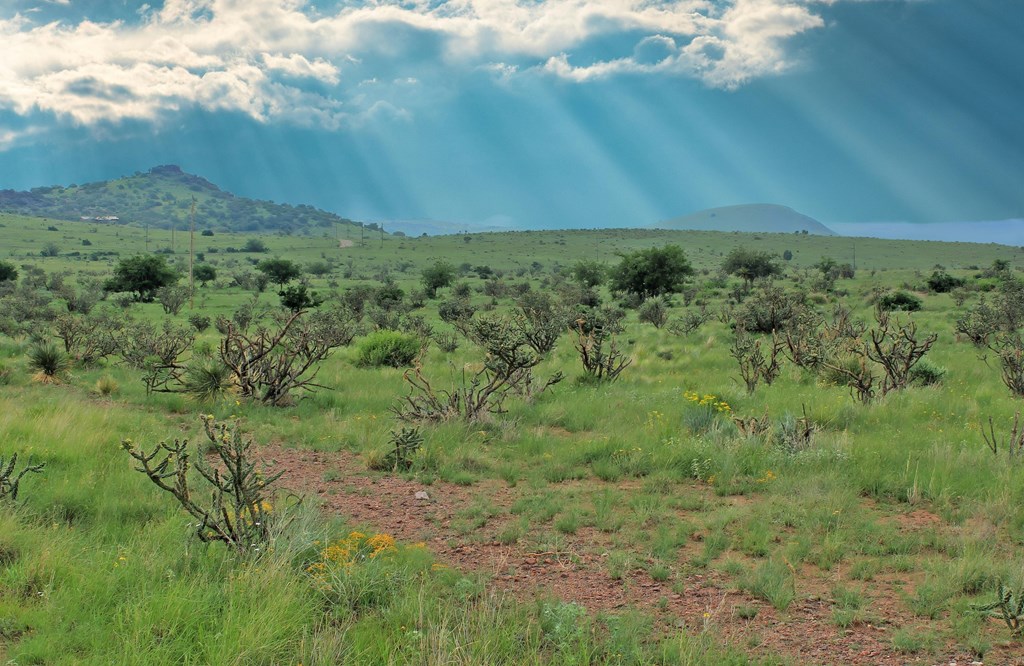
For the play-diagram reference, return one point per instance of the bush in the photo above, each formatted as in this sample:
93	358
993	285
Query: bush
254	245
926	373
8	272
654	311
49	362
106	386
899	300
941	282
200	322
651	272
389	348
455	310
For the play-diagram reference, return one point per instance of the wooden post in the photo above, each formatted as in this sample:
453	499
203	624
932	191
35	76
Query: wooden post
191	255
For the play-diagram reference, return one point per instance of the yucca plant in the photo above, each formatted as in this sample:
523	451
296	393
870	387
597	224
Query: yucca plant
49	362
208	382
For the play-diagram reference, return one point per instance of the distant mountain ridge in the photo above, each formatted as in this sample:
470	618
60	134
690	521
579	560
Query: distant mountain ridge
767	218
162	197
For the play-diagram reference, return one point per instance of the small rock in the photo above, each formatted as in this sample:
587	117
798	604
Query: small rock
421	495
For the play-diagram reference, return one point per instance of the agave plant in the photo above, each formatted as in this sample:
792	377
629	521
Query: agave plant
49	361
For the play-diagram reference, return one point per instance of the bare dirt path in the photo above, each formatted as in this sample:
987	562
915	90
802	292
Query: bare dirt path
577	572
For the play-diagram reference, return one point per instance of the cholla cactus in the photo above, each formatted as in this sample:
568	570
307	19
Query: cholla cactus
1009	607
405	442
238	513
10	480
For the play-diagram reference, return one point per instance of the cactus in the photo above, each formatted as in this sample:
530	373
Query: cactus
1009	607
10	480
237	514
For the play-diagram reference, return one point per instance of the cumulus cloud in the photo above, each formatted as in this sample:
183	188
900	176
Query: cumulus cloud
283	60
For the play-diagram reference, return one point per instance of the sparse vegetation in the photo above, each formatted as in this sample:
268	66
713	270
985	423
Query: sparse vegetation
791	500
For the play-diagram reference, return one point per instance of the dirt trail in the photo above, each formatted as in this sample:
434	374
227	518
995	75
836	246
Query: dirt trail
577	572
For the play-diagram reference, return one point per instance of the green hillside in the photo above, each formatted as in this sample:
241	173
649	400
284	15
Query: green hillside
765	218
162	197
57	245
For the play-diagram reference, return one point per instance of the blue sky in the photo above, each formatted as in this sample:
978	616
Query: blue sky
534	114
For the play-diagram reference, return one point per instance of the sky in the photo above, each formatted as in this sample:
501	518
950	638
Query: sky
530	113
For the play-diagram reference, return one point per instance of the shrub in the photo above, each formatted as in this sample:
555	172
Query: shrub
298	297
8	272
200	322
455	310
768	309
254	245
49	362
389	348
271	363
899	300
172	298
106	386
926	373
942	282
654	311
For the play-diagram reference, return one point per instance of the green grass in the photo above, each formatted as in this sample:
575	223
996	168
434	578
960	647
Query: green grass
900	493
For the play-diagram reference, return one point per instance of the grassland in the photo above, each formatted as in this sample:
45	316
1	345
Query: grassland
621	523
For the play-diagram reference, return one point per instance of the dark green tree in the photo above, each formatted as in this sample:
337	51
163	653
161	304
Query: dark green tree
297	297
827	266
142	274
254	245
8	272
750	264
651	272
279	271
204	273
441	274
589	273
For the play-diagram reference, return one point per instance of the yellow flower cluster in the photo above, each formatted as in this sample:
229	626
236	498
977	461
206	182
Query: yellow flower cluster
707	400
768	476
619	454
655	420
347	552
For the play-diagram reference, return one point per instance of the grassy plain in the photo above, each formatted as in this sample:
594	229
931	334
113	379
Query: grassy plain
621	523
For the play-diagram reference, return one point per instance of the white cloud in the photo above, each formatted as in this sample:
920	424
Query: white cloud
265	58
297	65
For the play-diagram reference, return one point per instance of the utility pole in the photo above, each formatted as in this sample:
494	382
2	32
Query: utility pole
147	237
382	235
191	254
361	230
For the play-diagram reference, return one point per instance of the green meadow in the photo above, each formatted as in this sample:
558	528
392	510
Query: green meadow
668	517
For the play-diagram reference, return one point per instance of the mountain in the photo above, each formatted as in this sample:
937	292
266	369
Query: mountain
769	218
1004	232
162	197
